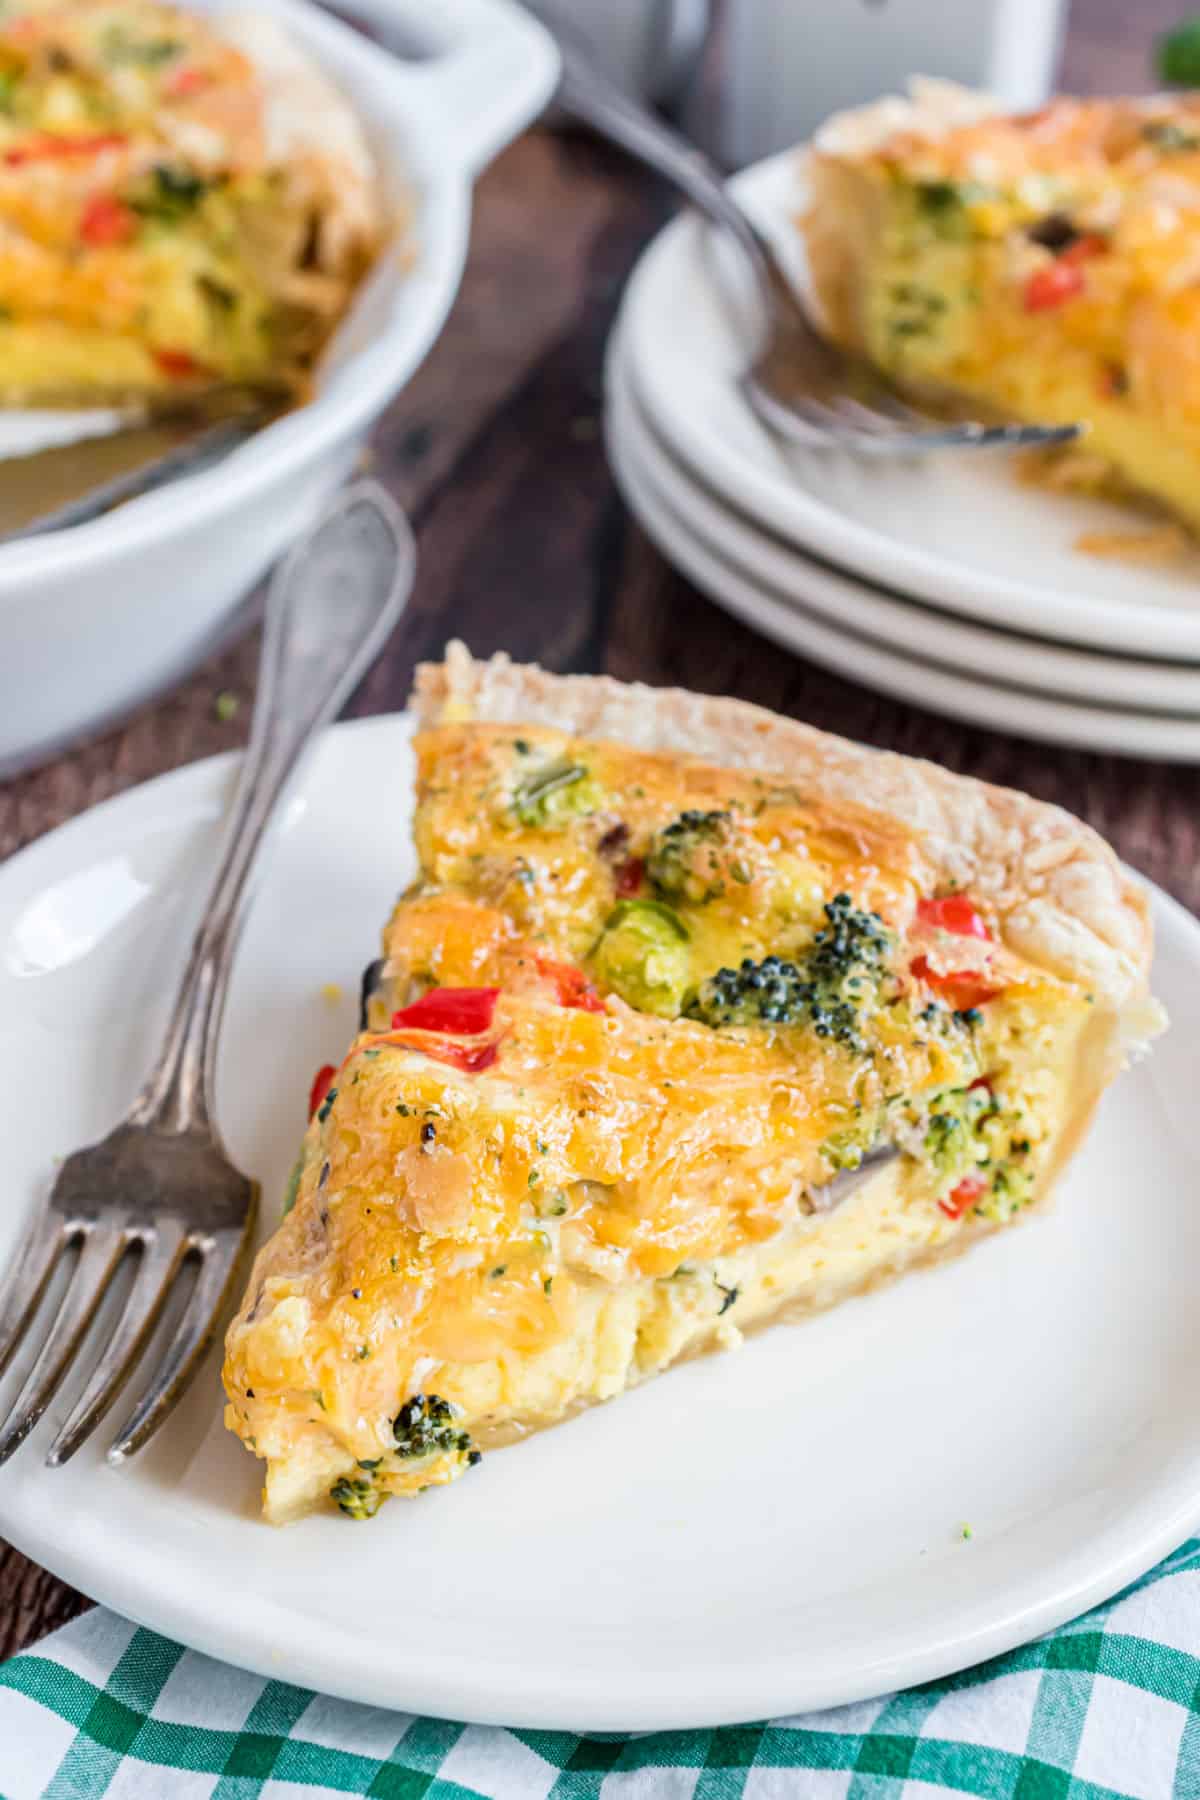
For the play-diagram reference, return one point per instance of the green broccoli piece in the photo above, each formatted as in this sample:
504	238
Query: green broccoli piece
358	1499
941	205
844	1150
945	1140
559	790
770	992
293	1186
831	988
852	944
425	1426
694	857
1177	54
644	955
952	1140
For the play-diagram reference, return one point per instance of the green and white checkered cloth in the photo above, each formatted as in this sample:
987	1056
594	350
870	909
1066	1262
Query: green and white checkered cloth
1107	1707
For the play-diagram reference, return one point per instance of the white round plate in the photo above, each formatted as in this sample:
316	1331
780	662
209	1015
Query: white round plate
748	1535
838	645
885	617
959	530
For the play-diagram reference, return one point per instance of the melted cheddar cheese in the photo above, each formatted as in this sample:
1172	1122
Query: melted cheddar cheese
1046	265
638	1021
167	221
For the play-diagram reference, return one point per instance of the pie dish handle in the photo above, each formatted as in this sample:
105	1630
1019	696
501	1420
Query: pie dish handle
491	70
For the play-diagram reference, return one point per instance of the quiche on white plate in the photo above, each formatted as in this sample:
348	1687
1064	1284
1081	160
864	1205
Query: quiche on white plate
694	1016
1045	264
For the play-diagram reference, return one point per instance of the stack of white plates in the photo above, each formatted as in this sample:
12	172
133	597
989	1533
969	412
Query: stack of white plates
944	580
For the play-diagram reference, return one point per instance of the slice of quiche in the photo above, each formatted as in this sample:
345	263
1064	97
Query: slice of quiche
693	1014
1046	265
185	203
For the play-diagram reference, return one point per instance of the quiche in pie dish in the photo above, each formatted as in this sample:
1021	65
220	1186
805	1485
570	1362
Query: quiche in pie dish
693	1015
1046	265
184	203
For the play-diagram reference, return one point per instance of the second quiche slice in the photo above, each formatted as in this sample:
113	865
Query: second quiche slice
693	1014
185	202
1046	264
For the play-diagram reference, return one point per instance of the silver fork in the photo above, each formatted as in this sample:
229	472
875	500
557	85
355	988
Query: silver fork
161	1185
804	388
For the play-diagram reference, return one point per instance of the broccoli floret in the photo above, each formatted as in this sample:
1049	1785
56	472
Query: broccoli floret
830	989
945	1140
425	1426
695	857
770	992
357	1498
644	955
293	1186
1177	55
844	1150
942	206
559	790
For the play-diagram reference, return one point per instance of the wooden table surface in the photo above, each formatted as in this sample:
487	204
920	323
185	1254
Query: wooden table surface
496	451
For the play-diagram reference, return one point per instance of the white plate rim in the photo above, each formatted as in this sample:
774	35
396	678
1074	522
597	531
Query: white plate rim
743	1690
1010	658
787	508
1019	712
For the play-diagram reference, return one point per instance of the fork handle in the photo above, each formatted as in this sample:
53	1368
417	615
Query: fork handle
591	96
330	607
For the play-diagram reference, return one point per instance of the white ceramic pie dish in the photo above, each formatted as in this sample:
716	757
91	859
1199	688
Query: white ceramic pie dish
97	617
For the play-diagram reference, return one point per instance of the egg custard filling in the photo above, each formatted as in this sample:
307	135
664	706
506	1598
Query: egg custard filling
662	1044
1046	265
185	203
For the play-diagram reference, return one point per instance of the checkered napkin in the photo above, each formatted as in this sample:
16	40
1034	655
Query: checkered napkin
1108	1707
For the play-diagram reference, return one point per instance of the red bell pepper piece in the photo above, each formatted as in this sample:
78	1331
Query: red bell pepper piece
1058	282
960	1199
959	917
453	1012
953	913
178	364
322	1082
961	990
106	221
464	1012
571	985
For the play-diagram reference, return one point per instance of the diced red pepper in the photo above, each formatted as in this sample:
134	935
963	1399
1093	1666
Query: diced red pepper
961	989
463	1011
628	877
322	1082
961	1198
1052	286
571	985
959	917
107	221
446	1013
953	913
178	364
47	146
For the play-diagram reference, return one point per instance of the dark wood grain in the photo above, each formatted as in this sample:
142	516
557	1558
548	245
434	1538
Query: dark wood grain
495	449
